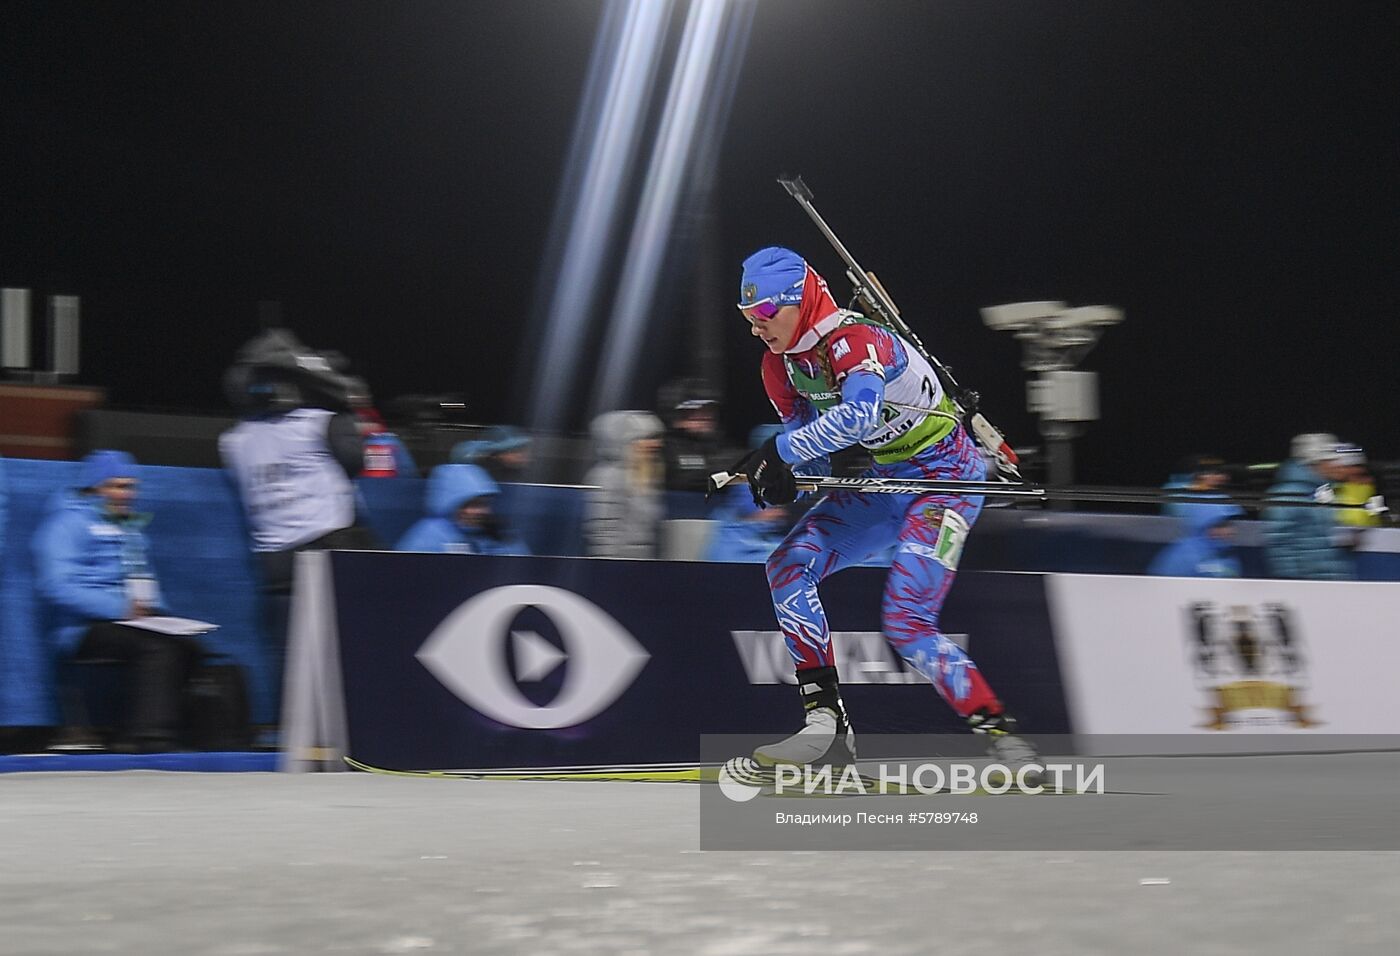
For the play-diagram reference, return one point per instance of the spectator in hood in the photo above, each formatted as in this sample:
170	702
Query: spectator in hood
462	516
93	573
624	506
1206	550
1299	542
502	450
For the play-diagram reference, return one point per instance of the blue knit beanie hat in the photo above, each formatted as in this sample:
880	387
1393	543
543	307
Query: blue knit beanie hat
772	274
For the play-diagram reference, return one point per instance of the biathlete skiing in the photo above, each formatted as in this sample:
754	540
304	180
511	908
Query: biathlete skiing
838	378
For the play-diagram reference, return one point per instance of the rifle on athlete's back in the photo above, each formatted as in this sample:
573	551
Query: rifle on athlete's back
876	303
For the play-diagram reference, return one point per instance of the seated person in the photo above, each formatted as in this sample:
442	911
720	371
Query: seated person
1206	550
462	517
92	571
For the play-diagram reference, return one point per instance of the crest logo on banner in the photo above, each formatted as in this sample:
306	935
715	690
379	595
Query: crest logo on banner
467	653
1250	665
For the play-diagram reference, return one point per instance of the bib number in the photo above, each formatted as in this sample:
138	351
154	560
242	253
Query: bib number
952	535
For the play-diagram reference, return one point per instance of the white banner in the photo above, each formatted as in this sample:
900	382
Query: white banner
1225	658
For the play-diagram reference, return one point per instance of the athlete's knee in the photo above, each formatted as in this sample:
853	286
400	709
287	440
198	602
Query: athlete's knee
773	568
784	568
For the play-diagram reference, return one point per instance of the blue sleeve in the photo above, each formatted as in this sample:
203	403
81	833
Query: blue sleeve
862	395
806	414
58	551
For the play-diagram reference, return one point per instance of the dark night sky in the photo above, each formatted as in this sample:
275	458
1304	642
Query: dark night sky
1224	172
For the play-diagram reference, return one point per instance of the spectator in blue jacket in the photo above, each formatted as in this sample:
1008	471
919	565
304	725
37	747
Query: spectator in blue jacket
462	517
1300	542
1197	475
1206	550
93	573
744	532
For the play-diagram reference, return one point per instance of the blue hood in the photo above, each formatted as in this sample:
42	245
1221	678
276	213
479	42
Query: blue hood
91	507
451	486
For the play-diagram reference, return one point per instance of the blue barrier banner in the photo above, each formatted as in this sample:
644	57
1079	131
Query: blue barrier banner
199	550
472	662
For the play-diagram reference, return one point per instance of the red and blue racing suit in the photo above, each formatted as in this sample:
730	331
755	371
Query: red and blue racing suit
862	383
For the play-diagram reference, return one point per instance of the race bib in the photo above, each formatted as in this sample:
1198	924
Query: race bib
952	534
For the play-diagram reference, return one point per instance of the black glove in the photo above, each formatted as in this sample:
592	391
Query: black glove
770	478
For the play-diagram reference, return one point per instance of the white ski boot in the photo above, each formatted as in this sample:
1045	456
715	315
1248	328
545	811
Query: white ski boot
1006	747
825	739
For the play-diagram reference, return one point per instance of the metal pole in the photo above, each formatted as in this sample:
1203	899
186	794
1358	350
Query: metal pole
63	335
14	328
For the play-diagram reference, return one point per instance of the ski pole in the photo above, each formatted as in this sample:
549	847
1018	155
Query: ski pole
1026	491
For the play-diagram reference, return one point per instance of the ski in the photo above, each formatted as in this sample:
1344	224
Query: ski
659	773
858	784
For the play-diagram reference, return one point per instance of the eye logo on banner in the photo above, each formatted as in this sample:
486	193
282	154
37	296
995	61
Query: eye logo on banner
1249	662
467	654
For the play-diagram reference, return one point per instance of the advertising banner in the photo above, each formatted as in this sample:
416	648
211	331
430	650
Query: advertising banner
1216	659
465	661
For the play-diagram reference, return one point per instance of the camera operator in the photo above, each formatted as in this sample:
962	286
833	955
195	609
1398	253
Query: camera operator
292	457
